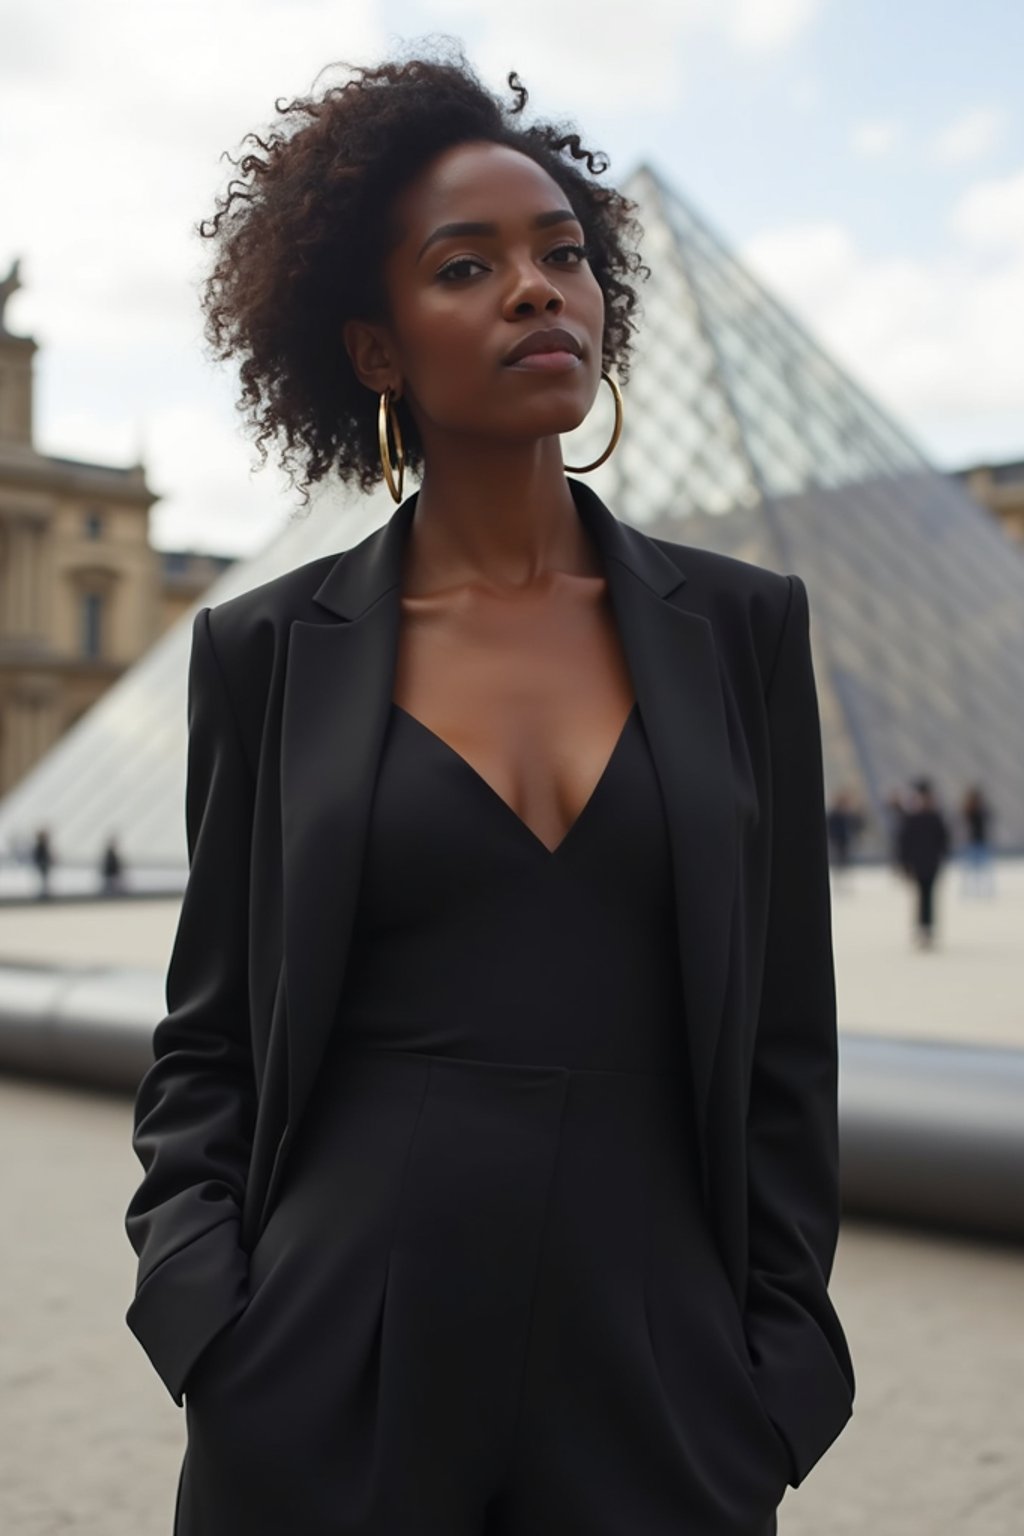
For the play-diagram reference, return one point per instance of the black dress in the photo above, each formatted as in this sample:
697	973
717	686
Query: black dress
514	1319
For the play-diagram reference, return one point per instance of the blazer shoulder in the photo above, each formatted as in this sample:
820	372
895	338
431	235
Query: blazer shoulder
737	596
726	574
275	602
249	632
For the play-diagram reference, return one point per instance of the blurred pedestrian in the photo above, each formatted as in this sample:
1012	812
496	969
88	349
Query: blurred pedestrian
844	822
977	813
893	806
111	868
924	847
42	858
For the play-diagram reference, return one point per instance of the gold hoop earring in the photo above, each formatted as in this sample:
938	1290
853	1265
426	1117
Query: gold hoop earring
582	469
387	415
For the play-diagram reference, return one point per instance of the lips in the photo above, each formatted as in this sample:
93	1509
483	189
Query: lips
551	339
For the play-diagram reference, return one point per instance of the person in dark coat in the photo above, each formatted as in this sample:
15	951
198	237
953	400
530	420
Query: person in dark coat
924	847
111	868
844	824
490	1143
42	858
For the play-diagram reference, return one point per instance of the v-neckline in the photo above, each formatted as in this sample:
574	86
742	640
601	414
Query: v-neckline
493	793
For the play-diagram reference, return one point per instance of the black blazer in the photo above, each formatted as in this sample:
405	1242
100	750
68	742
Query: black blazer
290	687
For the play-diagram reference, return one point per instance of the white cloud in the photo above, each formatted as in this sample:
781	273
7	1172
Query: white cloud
934	339
968	137
568	57
990	215
876	138
570	62
769	24
112	122
221	470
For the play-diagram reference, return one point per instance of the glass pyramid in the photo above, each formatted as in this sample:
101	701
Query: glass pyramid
741	435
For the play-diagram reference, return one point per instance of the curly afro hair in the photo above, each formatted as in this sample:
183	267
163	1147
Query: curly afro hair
302	232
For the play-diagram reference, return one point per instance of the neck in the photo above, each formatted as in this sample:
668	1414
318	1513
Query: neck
497	515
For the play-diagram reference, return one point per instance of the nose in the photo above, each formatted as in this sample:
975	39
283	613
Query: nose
531	292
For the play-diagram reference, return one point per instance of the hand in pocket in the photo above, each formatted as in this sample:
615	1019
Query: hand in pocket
204	1367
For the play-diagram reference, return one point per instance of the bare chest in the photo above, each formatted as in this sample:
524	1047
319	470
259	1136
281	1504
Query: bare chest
532	691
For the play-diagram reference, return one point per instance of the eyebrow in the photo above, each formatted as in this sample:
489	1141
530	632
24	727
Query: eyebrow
449	231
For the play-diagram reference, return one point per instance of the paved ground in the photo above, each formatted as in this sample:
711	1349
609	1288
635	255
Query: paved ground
971	987
90	1441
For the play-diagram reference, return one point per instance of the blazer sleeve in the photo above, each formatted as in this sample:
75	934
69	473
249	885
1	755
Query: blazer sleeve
801	1362
195	1106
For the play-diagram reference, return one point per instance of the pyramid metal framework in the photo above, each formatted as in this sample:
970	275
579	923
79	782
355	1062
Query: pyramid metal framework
752	441
740	435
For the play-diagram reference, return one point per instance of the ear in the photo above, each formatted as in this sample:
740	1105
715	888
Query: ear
372	355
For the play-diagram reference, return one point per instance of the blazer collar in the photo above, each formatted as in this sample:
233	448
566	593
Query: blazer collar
363	574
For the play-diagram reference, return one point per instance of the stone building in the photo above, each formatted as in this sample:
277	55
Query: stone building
83	594
1000	488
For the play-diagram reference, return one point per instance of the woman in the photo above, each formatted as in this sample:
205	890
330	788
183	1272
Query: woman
490	1144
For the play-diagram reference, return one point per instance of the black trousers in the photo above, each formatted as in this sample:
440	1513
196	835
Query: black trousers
925	902
534	1338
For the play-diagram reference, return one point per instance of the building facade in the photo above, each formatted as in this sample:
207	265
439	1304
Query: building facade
1000	488
83	594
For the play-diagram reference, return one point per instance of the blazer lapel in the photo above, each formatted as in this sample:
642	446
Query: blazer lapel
337	699
339	680
673	664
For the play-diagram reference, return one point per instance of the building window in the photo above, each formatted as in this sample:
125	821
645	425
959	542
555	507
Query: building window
94	523
92	624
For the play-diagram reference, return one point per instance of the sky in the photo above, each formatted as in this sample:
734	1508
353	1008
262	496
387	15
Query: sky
864	158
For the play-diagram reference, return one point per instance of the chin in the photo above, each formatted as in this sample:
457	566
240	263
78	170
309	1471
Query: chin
561	411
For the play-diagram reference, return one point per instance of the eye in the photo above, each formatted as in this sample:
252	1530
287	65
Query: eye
575	253
456	270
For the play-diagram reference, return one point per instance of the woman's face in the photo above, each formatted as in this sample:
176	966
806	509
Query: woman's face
489	263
